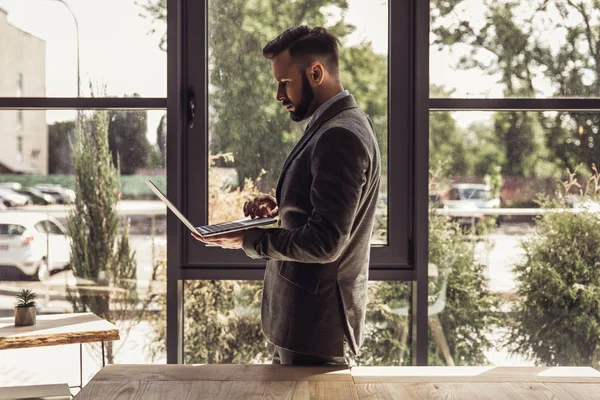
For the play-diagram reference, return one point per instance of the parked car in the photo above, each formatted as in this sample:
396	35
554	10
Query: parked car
37	196
11	185
6	202
465	201
15	199
33	243
477	194
61	195
465	213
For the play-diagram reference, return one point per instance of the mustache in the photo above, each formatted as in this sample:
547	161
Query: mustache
287	103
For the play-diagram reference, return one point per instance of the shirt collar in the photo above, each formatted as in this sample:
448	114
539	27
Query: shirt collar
319	111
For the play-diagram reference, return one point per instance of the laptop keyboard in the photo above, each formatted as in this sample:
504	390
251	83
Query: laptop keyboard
235	225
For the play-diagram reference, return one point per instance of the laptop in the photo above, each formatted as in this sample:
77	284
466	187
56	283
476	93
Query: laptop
214	229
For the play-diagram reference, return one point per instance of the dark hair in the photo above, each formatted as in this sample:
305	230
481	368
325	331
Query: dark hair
307	45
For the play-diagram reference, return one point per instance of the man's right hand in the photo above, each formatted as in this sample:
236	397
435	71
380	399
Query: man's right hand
262	206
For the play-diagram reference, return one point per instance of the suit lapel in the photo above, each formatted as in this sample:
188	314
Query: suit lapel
337	107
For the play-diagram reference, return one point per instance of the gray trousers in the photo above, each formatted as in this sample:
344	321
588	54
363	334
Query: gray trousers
283	356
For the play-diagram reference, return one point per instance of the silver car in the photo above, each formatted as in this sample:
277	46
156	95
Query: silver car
33	243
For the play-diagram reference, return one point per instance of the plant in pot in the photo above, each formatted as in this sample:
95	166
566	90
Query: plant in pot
25	308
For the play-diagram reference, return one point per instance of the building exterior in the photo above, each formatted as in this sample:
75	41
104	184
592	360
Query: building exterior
23	133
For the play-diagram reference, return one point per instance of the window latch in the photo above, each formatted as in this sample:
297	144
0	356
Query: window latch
191	106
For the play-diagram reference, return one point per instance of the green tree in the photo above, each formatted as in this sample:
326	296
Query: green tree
127	139
364	74
245	118
507	43
574	70
557	320
59	151
447	143
98	252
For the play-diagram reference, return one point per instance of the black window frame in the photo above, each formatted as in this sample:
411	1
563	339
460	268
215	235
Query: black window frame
405	257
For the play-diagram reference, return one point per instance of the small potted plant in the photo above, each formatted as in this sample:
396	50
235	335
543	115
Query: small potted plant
25	308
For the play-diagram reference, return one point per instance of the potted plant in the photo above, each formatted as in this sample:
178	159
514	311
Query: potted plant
25	308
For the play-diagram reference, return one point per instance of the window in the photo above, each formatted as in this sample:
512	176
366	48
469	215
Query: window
245	146
12	230
513	112
502	49
238	131
53	229
41	227
225	325
66	50
131	136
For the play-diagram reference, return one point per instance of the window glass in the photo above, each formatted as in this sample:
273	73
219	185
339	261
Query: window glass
222	324
503	48
122	227
47	45
11	229
41	227
503	279
250	134
54	229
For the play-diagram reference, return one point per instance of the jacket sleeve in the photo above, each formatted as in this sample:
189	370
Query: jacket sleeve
338	165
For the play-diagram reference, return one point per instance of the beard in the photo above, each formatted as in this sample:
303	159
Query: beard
301	111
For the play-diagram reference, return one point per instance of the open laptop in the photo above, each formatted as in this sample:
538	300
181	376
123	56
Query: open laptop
215	229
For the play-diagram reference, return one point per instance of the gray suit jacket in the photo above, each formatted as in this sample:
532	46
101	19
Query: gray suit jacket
315	287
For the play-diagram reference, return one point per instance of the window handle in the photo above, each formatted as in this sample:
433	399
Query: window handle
191	106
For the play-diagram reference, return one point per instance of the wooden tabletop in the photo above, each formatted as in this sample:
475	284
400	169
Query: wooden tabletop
217	382
56	329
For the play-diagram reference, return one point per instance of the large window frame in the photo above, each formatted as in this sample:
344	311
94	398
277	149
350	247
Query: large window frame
393	261
405	256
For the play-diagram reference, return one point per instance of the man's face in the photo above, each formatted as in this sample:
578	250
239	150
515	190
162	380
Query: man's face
293	88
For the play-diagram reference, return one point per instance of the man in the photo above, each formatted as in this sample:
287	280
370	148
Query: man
315	287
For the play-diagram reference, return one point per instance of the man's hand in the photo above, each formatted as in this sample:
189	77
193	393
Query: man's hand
262	206
233	240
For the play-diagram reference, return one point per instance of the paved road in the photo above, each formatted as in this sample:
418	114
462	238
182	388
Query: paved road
124	207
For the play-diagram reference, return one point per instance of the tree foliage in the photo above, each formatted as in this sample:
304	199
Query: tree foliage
557	322
127	140
513	44
59	151
99	252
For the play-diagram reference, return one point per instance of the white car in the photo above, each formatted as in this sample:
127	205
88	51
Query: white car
33	243
477	194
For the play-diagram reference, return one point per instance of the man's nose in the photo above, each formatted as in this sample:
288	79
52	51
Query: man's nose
280	94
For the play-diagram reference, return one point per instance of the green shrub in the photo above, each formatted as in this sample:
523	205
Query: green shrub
471	311
557	320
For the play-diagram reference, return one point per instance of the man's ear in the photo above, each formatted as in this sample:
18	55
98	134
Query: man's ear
316	73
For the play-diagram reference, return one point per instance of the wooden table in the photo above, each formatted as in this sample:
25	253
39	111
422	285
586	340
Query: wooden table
232	382
57	329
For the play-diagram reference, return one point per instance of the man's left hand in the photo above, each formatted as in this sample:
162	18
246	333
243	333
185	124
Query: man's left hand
233	240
